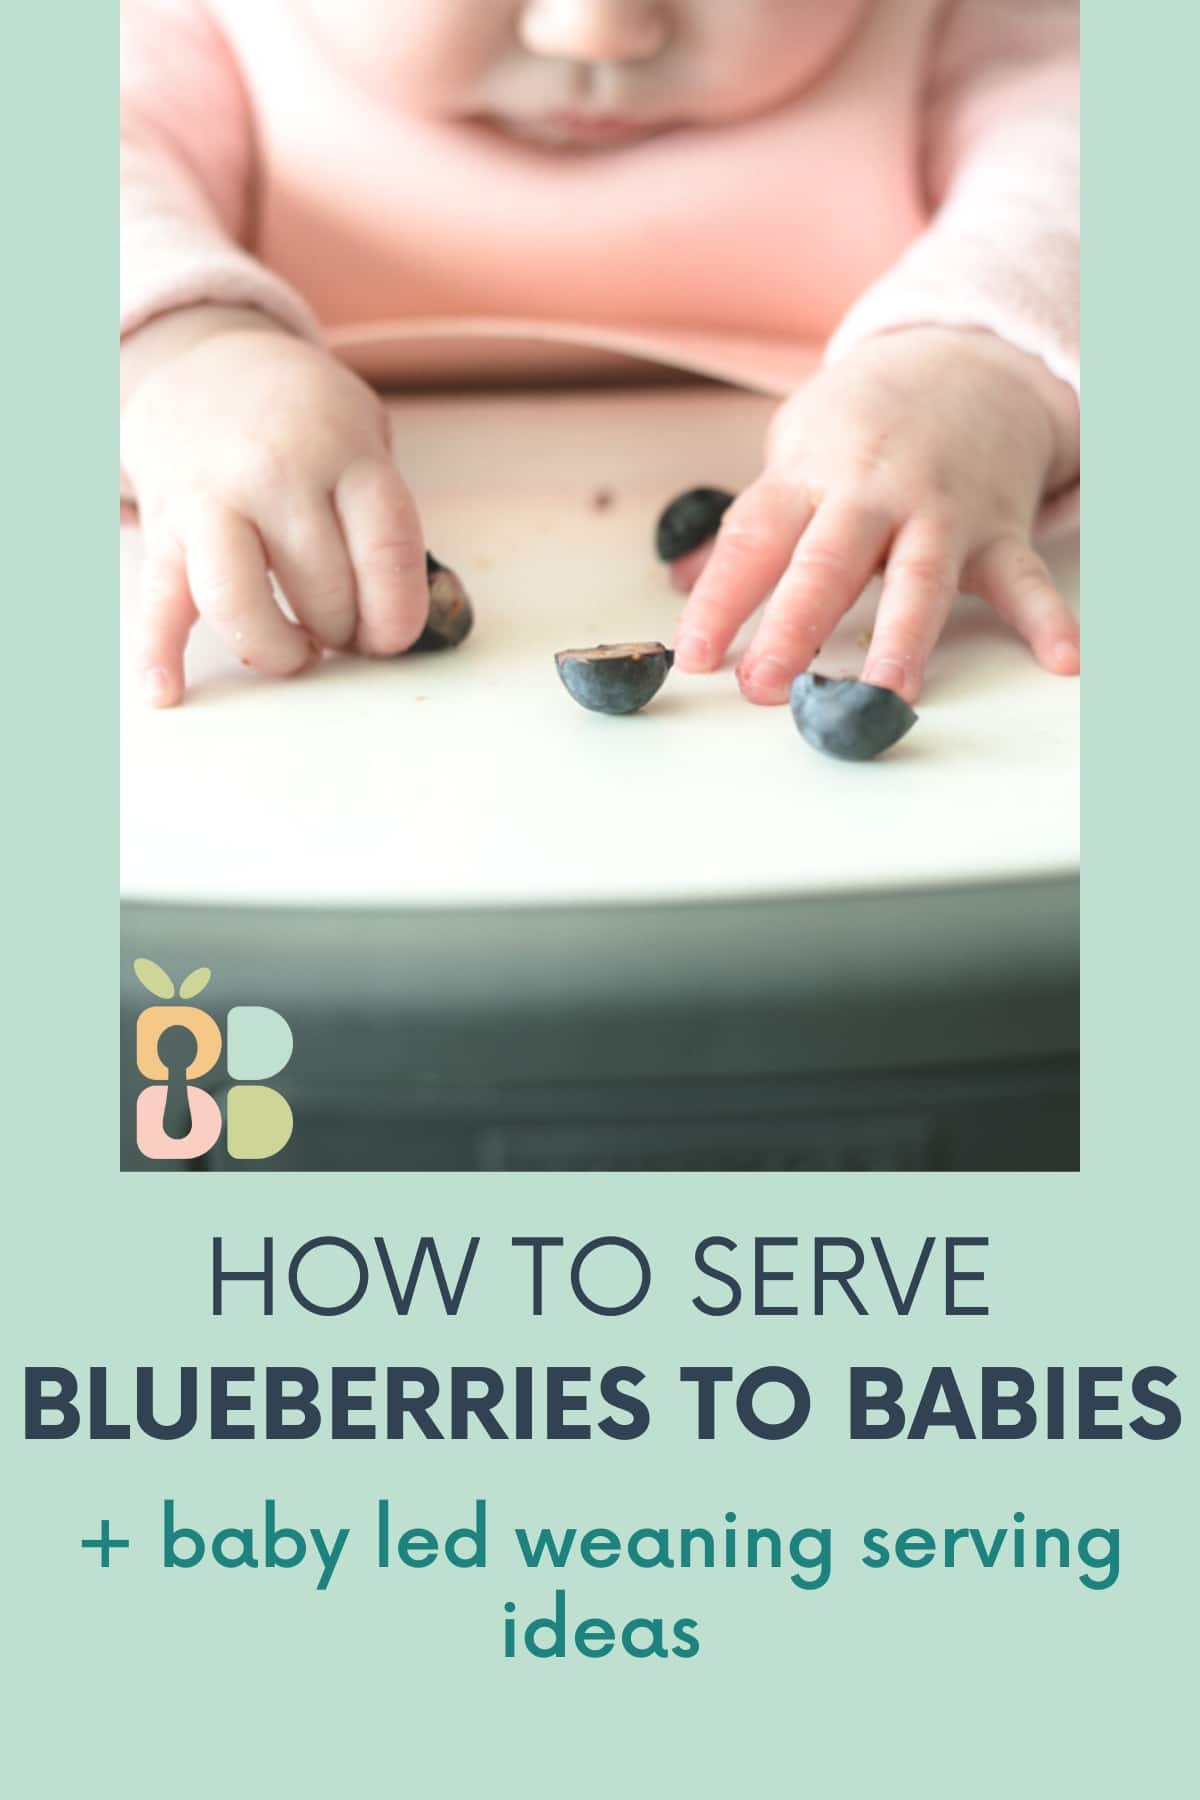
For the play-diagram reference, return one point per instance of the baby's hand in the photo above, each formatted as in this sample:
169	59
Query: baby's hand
250	451
925	452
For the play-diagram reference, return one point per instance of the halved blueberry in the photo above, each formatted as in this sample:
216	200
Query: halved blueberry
450	613
689	521
852	720
614	678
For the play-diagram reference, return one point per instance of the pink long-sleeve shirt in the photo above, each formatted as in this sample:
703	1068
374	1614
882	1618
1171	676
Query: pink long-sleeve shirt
930	176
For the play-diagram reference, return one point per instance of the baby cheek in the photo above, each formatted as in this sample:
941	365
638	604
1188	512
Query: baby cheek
791	42
425	54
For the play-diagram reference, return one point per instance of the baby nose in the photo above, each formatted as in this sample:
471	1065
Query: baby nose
593	31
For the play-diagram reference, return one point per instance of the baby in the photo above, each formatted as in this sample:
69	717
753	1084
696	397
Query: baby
895	181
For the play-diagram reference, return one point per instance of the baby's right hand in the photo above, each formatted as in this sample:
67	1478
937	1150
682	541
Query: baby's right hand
250	450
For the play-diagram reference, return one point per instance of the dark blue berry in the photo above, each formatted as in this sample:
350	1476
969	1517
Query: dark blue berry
450	615
614	678
849	719
689	521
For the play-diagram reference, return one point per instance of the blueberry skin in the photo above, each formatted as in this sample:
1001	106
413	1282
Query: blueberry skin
450	614
614	678
851	720
689	521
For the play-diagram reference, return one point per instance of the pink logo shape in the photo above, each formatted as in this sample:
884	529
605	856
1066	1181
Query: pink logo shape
153	1141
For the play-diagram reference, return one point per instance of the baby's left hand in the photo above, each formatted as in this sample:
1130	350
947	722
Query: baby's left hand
926	453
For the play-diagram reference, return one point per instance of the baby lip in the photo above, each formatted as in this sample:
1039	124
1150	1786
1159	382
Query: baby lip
594	125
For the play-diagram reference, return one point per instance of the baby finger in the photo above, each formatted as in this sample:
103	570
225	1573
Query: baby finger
833	563
312	565
166	614
383	535
1016	583
749	554
227	573
919	589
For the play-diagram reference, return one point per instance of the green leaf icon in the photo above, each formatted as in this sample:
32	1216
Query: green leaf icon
152	977
194	984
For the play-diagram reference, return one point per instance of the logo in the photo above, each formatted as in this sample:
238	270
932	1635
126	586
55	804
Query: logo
177	1044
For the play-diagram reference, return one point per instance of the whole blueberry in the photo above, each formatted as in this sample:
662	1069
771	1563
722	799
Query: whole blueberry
689	521
450	613
614	678
852	720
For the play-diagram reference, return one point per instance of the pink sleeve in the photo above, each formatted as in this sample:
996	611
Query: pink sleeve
1001	168
187	172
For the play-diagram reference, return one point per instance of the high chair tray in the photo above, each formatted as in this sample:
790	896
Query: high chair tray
511	934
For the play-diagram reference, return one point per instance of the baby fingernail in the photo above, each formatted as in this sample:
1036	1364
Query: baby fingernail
693	651
1065	656
886	674
155	684
767	677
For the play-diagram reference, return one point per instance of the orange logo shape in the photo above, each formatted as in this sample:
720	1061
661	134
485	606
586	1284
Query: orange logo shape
178	1122
156	1019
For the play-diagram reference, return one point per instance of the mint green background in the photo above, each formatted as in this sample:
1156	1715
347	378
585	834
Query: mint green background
138	1684
901	1680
